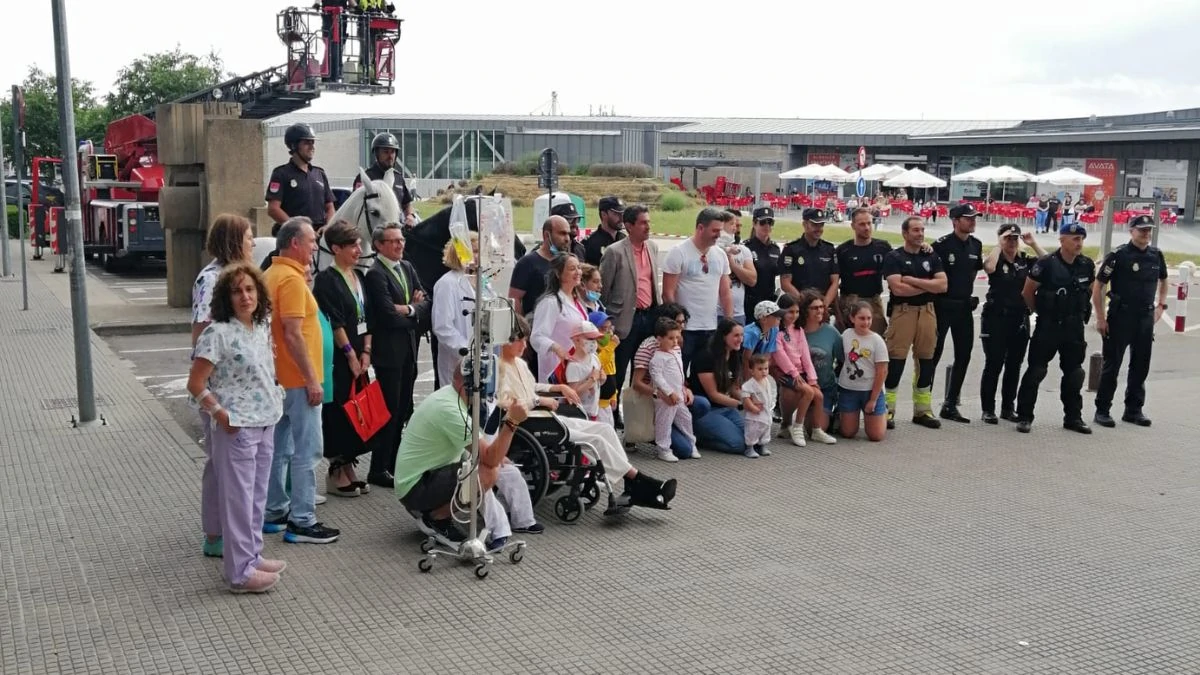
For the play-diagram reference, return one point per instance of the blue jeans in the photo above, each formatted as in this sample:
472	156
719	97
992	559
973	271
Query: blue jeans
681	445
717	427
298	443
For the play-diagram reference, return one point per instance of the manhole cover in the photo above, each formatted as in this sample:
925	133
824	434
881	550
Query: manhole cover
69	402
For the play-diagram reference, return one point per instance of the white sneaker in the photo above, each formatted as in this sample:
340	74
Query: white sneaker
751	453
695	453
820	436
796	432
667	455
321	499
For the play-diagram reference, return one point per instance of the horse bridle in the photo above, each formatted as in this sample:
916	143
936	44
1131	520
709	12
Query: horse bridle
362	211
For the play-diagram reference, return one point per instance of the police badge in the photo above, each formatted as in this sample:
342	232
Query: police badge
1135	267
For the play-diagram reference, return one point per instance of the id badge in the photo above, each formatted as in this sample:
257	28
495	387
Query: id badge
362	328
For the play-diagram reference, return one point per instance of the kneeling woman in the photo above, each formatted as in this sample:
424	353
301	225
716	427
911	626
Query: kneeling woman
516	383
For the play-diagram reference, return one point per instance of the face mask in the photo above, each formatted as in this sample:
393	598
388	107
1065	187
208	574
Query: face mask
553	249
725	239
604	340
593	296
590	347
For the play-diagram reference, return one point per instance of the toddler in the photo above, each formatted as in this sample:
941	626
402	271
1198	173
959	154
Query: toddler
671	395
607	354
761	388
583	372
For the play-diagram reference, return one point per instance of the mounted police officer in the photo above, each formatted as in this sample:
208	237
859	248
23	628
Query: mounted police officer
1058	289
962	257
383	150
1132	273
298	188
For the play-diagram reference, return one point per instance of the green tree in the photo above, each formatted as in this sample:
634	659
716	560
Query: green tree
160	78
41	115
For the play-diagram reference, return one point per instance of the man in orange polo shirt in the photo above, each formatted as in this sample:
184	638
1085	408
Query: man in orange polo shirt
296	331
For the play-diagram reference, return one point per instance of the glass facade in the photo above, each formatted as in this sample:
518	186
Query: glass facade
450	155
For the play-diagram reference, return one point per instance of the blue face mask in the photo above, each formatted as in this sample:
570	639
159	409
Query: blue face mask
593	296
553	249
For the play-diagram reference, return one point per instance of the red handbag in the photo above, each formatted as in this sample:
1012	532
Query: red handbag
366	410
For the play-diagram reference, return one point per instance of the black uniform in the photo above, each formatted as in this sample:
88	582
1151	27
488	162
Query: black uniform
1134	275
962	260
377	172
861	270
596	242
766	264
1004	331
300	192
1063	305
809	266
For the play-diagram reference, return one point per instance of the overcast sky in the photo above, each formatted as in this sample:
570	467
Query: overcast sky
936	59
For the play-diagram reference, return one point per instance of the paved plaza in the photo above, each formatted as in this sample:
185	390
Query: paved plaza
971	549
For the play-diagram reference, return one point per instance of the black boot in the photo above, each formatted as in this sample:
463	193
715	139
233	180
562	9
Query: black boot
650	493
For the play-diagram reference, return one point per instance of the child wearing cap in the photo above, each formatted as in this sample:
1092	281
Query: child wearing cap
582	372
606	353
671	397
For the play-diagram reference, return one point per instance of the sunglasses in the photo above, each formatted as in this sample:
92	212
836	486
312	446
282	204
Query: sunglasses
704	263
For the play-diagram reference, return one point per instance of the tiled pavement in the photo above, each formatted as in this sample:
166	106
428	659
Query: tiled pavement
972	549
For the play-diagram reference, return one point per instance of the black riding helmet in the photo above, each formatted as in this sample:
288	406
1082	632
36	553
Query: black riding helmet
386	141
296	133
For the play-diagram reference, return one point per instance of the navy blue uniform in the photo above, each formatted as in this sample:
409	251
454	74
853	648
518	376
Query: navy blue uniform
962	260
1133	276
1004	331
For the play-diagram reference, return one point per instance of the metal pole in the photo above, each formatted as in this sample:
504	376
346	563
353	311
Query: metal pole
7	266
18	164
66	141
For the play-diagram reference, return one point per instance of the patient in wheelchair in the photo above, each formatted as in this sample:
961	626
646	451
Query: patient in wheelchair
515	383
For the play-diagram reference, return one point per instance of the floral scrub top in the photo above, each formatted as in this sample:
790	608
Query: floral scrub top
202	291
243	376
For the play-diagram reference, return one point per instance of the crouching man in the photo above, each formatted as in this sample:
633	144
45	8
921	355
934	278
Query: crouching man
431	454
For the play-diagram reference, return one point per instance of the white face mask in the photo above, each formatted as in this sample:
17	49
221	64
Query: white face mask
590	347
724	240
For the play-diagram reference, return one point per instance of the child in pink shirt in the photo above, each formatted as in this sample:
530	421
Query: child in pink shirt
793	368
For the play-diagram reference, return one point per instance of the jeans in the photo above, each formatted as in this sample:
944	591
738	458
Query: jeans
297	443
720	428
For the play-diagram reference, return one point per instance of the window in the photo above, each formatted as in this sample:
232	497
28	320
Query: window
412	152
440	145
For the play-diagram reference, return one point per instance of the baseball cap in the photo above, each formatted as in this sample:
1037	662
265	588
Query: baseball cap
586	329
1142	222
611	203
764	213
597	318
1010	230
566	210
1073	229
767	308
964	211
814	216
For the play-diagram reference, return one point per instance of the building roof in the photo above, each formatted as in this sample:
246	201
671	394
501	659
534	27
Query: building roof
809	127
1164	125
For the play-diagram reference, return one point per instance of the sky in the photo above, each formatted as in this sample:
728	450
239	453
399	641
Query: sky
924	59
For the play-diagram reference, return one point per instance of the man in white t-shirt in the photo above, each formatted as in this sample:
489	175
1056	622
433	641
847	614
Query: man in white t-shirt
694	273
741	264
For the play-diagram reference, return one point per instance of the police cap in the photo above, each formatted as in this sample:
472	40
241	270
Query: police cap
1072	229
1142	222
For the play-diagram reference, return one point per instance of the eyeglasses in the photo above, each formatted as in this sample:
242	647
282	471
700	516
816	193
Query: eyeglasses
704	263
393	240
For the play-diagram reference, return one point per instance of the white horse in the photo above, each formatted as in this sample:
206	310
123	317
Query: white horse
372	206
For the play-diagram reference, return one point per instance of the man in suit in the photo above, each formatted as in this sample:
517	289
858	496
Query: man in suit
397	308
629	288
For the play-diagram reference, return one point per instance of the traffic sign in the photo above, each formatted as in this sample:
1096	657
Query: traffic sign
548	169
862	156
860	187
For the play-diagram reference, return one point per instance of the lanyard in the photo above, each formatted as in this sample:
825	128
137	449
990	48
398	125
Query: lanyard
356	291
579	307
399	278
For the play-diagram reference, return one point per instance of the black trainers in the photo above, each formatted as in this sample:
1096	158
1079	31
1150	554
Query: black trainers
1104	419
1136	418
313	534
1078	426
444	529
1009	415
1023	426
989	417
536	528
950	412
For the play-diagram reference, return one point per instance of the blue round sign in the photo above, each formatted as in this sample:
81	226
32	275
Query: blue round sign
861	187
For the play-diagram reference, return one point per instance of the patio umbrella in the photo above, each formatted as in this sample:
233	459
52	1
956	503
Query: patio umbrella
876	172
995	174
809	172
1067	178
915	178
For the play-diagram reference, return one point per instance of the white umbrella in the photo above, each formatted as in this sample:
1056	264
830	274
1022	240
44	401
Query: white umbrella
876	172
915	178
1067	178
835	173
994	174
895	170
811	171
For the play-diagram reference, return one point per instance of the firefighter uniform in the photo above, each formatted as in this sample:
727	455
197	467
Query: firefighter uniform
912	326
1004	331
300	192
962	260
766	264
861	270
1063	306
1134	276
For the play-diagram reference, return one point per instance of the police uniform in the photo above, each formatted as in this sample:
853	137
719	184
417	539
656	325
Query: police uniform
1133	276
962	260
766	265
912	326
861	270
300	192
600	239
1004	331
1063	306
377	172
809	266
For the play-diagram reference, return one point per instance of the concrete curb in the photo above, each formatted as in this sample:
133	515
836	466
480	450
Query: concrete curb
120	328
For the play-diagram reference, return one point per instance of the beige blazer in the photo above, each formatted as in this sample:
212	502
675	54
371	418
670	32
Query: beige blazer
618	278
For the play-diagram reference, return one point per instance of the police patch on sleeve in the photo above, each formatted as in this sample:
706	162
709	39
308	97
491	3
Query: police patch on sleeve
787	260
273	187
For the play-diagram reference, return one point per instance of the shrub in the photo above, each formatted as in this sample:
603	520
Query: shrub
673	201
14	225
621	170
581	170
505	169
528	165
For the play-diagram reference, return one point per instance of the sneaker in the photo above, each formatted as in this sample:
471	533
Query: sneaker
763	451
536	528
497	545
275	526
821	436
750	452
271	566
666	455
796	432
313	534
321	499
695	453
259	582
213	549
444	529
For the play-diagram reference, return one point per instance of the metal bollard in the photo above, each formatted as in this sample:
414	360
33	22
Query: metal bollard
1095	363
